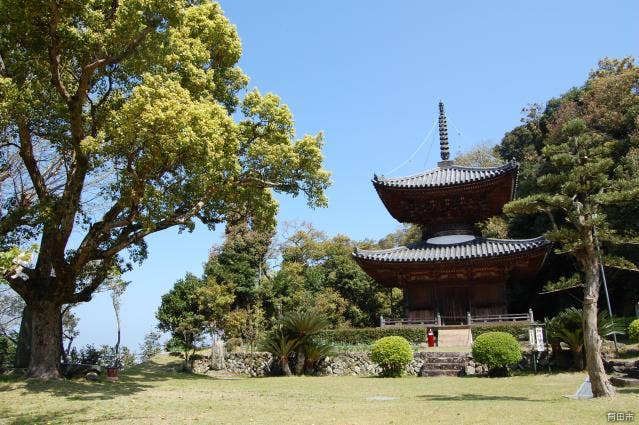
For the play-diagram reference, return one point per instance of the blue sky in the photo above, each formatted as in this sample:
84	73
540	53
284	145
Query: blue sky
369	74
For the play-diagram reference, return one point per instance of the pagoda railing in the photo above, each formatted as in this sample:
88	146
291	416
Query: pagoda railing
407	322
439	320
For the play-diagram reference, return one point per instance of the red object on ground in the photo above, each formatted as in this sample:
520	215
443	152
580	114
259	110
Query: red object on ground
112	374
431	338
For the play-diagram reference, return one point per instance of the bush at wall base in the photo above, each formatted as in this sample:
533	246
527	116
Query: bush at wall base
497	350
393	354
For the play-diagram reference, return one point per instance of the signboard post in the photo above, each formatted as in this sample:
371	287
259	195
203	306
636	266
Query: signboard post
536	340
539	338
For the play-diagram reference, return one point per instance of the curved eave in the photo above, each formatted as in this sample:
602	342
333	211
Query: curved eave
409	265
480	248
430	206
446	177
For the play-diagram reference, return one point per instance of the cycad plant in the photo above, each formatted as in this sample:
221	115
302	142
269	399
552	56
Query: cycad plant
314	351
281	346
303	326
567	327
297	333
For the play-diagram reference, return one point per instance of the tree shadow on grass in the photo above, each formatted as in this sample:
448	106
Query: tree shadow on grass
64	416
475	397
60	416
133	380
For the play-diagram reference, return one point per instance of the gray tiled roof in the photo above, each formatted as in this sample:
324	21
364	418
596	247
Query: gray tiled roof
427	252
446	176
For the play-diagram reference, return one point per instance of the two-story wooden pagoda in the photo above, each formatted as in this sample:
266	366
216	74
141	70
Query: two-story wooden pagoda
452	271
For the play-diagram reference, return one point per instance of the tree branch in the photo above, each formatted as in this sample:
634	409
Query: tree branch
26	153
95	107
17	284
256	181
54	53
97	234
110	15
77	173
87	70
127	237
85	293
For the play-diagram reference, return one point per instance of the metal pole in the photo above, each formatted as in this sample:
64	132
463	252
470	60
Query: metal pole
605	285
547	347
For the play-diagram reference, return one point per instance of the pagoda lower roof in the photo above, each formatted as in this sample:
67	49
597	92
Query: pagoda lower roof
445	176
481	260
424	252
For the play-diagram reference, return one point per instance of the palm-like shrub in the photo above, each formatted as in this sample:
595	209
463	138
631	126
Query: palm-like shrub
314	351
633	330
392	353
281	346
497	350
567	327
303	326
297	333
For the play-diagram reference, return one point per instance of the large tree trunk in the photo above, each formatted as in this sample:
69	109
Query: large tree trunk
46	336
23	349
578	358
601	386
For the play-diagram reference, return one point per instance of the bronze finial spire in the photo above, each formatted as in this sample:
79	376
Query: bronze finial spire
443	133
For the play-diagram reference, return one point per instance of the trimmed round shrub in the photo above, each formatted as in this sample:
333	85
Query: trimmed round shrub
392	353
633	330
497	350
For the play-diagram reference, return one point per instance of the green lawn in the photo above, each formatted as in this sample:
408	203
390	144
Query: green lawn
153	393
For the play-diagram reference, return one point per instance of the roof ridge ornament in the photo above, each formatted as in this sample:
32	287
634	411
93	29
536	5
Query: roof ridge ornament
443	138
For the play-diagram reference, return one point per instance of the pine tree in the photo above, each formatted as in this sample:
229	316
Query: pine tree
589	177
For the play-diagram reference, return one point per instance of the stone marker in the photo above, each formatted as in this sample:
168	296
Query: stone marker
584	391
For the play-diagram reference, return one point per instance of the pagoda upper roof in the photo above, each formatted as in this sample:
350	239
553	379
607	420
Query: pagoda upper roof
446	175
449	197
425	252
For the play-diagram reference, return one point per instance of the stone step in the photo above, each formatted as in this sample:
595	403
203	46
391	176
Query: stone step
428	354
440	372
460	360
632	373
624	363
624	382
444	366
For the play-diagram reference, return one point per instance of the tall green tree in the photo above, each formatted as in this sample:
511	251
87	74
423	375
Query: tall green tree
193	307
241	260
588	184
320	271
121	119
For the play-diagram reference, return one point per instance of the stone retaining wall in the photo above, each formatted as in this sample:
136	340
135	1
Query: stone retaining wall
351	363
255	364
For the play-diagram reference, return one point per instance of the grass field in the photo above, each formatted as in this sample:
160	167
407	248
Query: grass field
154	393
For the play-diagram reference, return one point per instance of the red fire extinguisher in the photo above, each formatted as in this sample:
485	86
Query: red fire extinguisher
431	338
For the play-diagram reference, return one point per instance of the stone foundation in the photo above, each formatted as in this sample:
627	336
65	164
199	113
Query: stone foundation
343	364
